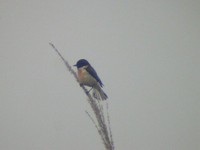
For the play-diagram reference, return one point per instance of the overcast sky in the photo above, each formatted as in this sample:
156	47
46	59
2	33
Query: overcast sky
147	53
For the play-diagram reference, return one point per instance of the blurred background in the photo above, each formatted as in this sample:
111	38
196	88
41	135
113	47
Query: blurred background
147	53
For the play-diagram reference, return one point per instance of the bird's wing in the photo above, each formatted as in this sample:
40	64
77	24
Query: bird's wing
93	73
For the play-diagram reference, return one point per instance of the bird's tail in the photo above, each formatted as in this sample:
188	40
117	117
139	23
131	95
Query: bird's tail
99	94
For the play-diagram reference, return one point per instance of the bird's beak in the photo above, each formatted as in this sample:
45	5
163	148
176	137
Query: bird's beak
75	65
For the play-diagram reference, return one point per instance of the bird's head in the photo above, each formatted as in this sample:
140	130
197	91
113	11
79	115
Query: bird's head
81	63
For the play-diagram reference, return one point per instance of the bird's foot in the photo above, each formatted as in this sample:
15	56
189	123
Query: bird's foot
89	90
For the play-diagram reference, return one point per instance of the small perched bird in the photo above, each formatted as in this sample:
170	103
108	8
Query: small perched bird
88	76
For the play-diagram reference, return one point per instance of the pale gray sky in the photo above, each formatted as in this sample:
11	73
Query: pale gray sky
147	53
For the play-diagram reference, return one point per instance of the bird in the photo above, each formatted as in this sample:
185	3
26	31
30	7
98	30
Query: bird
88	76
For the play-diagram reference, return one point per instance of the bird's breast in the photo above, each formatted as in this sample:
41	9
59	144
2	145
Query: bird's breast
85	78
